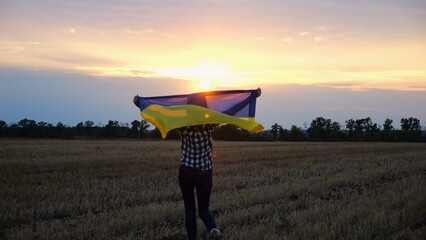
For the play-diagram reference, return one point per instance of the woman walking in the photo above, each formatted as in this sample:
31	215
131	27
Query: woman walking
195	172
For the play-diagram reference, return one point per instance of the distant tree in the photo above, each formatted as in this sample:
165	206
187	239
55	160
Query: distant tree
111	129
3	124
228	132
411	130
334	132
144	125
247	136
60	126
138	128
366	125
155	134
134	130
358	128
88	126
388	134
359	125
350	125
124	124
410	124
42	129
284	135
365	129
296	134
80	129
387	126
59	130
26	128
317	130
370	126
44	124
27	123
275	130
323	129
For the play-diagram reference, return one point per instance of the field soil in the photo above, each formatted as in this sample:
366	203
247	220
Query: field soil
76	189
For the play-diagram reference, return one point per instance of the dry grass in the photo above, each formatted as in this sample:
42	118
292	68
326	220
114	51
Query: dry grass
128	190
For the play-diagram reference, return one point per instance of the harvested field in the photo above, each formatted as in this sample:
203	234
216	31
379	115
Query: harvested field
52	189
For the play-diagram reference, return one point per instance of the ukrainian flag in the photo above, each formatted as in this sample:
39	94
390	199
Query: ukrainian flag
235	107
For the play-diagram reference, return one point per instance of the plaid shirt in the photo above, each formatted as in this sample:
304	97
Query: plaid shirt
197	147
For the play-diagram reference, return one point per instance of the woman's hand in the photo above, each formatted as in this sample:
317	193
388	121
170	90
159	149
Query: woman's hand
135	100
259	92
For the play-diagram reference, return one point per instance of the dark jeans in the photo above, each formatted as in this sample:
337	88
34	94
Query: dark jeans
190	178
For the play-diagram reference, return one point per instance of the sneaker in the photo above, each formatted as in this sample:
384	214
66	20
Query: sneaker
215	234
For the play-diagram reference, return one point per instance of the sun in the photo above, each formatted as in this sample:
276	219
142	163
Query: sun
208	75
205	75
204	85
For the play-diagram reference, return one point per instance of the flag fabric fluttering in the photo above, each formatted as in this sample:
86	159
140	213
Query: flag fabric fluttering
237	107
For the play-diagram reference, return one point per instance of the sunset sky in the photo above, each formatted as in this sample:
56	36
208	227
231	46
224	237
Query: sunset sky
72	61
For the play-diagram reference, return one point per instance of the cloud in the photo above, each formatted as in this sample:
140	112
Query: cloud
303	34
287	40
138	32
417	88
84	30
74	58
12	46
117	71
141	72
363	80
338	84
318	39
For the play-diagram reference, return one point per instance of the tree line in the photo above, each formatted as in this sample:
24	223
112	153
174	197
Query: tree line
320	129
28	128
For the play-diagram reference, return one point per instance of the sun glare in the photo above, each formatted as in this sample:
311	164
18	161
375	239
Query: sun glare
209	72
205	85
204	75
